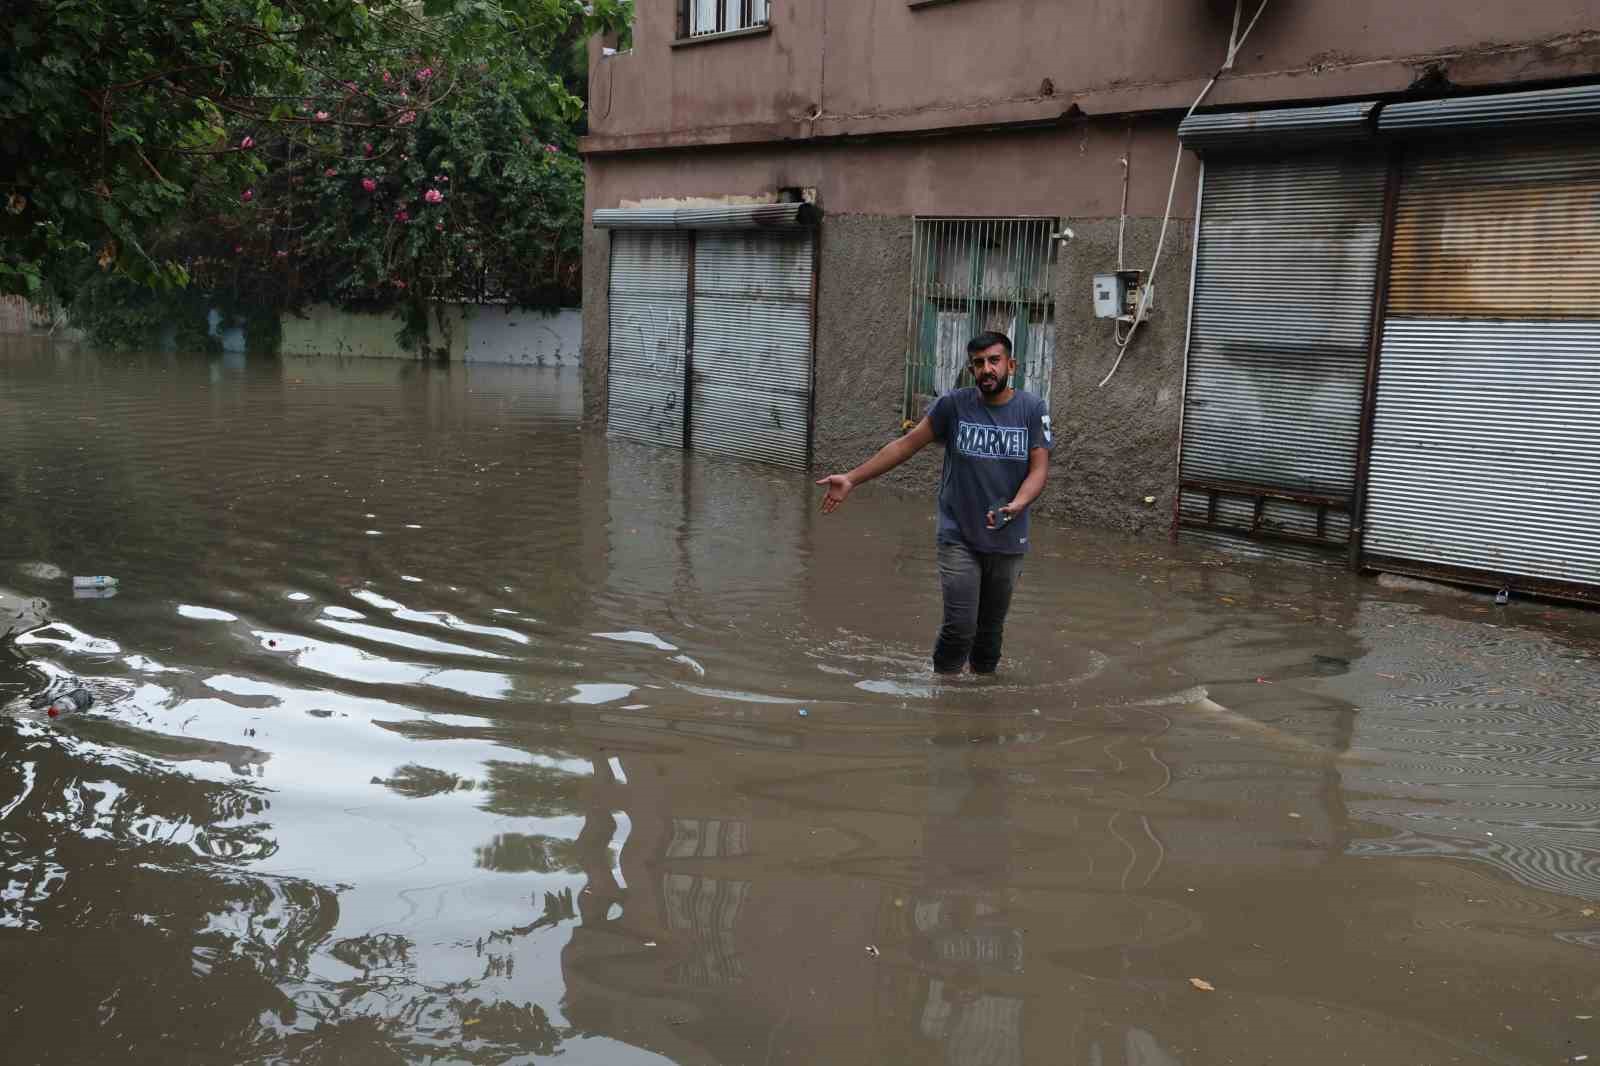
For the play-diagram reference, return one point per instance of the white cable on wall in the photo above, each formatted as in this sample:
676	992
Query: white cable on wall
1235	42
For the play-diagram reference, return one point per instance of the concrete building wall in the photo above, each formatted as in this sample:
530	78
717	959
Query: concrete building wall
596	305
1074	170
1009	108
1116	445
851	67
524	338
476	334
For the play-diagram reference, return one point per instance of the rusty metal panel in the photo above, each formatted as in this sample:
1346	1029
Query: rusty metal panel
1486	432
1504	232
1486	447
647	335
1285	270
752	375
1225	130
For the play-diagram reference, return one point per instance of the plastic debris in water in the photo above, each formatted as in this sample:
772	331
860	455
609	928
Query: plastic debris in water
804	713
1502	597
96	581
79	699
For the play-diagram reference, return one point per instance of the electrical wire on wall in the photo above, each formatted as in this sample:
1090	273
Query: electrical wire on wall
1235	43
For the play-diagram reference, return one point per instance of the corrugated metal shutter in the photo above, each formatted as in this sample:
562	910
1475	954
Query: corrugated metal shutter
1216	130
649	308
752	372
1286	265
708	216
1486	435
1576	106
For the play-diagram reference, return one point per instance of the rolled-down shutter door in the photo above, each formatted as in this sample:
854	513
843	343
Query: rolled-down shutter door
1286	264
649	305
1486	434
752	364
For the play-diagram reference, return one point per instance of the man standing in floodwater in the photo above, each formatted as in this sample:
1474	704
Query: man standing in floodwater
996	456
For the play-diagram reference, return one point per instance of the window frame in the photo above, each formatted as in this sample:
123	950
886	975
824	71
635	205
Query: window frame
747	26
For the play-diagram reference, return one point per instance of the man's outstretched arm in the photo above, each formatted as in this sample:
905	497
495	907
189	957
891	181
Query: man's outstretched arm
889	456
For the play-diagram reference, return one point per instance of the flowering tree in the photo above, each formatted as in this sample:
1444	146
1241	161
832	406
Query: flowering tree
435	180
367	153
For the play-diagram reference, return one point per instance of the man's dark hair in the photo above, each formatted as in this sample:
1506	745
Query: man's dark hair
988	339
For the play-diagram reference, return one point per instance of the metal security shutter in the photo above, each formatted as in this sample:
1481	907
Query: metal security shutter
649	307
1285	269
752	366
1486	433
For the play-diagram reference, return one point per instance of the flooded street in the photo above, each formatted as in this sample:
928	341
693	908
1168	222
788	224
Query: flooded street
430	728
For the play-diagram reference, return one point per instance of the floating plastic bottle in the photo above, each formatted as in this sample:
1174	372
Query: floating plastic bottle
79	699
97	581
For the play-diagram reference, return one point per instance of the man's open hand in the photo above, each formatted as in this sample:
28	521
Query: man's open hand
839	487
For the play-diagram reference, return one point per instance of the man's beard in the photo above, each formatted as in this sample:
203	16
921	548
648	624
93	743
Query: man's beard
991	386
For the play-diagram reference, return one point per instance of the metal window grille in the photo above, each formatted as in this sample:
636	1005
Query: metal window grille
975	274
701	17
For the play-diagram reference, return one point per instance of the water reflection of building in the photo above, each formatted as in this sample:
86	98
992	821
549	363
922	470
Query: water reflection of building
883	894
959	933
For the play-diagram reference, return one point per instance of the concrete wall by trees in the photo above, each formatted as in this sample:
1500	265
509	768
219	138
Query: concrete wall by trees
479	334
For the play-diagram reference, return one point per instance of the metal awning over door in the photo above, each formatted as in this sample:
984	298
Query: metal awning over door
1486	434
1285	272
751	372
647	335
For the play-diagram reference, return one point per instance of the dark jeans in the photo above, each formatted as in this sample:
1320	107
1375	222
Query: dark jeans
977	595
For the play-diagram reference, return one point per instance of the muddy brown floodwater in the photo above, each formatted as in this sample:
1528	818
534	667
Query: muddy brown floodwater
431	728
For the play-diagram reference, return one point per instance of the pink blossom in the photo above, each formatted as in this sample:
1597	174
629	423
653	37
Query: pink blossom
439	226
368	148
433	196
445	178
330	173
351	87
238	249
323	116
425	73
399	284
386	78
551	149
369	184
247	195
402	215
248	142
406	118
281	254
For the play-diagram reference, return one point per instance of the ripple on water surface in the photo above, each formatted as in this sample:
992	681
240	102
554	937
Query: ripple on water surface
527	774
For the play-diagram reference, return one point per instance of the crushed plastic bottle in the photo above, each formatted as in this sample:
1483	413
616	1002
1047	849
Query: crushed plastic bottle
79	699
96	581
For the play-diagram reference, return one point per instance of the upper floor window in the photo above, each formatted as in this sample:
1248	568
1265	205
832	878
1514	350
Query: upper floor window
702	17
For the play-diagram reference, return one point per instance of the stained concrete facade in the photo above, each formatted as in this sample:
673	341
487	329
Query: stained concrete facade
885	110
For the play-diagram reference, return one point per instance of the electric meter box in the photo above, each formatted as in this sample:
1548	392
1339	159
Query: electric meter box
1115	294
1110	295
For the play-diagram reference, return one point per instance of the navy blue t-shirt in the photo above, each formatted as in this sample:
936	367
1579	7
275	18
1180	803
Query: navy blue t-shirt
985	462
